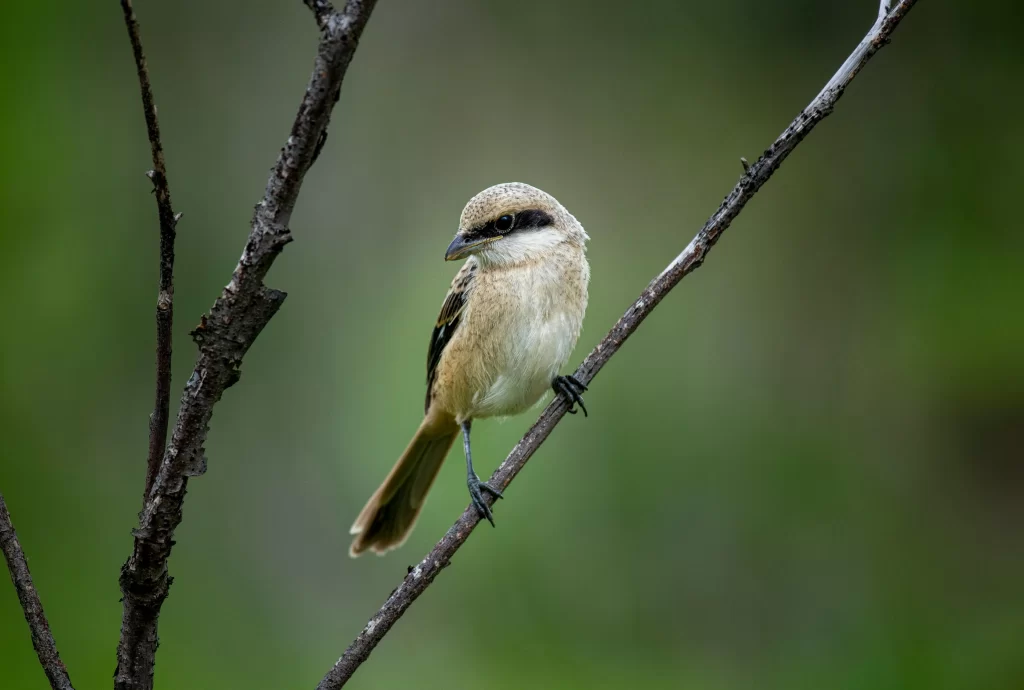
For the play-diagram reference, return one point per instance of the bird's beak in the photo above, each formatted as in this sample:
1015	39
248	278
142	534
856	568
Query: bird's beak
462	245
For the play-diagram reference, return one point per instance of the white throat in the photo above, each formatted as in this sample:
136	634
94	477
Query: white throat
520	247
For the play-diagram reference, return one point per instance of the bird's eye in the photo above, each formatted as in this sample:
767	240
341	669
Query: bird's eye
504	224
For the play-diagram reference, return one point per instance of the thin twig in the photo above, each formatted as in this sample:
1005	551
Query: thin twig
42	638
223	336
168	221
421	576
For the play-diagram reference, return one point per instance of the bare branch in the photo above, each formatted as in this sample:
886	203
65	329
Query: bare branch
42	638
223	336
168	221
753	178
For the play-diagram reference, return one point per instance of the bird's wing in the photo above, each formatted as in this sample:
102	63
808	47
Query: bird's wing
448	320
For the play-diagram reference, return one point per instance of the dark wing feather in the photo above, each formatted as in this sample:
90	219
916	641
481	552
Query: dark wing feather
448	321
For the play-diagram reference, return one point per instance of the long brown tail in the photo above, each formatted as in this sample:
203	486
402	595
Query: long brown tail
391	512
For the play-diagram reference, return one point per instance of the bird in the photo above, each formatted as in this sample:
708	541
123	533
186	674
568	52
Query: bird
507	326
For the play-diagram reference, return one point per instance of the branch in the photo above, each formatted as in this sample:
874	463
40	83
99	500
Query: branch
223	336
754	177
168	221
42	638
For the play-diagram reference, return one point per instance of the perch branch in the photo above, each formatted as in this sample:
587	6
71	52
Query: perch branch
168	221
42	638
223	337
754	177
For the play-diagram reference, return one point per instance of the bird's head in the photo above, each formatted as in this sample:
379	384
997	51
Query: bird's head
513	223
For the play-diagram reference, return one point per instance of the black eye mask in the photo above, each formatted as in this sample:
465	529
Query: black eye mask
531	219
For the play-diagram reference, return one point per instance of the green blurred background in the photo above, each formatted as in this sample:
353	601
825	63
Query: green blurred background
804	471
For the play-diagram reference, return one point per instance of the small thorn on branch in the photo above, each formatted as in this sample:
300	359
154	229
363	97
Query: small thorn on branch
745	164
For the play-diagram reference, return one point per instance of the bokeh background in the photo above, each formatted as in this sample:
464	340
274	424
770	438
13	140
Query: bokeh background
803	471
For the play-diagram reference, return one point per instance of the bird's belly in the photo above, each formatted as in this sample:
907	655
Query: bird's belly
525	365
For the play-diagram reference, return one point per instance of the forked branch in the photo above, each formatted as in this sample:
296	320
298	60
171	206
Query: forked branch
753	178
223	336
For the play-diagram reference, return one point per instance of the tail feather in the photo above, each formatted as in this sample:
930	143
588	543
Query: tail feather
388	517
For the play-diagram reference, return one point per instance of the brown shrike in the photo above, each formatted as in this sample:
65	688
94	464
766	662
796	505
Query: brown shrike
508	325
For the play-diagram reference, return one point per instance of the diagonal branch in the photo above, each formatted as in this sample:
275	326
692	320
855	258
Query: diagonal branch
168	221
42	638
223	336
753	178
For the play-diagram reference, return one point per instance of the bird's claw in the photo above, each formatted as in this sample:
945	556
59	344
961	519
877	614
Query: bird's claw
476	487
571	388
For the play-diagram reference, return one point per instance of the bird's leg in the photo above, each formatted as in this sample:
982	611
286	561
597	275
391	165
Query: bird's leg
473	482
570	387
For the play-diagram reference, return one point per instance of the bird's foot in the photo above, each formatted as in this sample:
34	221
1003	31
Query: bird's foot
571	388
476	492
